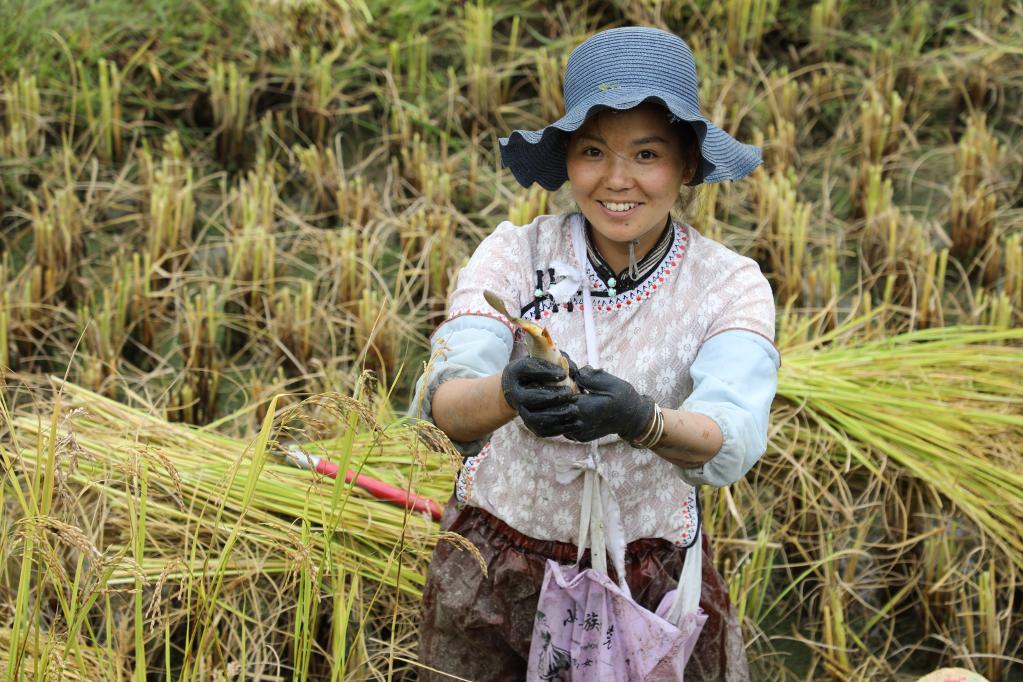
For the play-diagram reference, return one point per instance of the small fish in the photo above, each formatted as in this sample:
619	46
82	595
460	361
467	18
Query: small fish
539	343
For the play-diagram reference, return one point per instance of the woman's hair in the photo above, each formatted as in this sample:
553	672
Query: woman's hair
691	145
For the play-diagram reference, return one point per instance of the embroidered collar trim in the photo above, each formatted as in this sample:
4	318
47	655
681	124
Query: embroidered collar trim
622	281
656	278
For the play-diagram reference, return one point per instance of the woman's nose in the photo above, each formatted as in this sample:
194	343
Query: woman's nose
619	173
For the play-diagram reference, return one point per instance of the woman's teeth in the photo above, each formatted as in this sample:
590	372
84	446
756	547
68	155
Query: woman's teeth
618	208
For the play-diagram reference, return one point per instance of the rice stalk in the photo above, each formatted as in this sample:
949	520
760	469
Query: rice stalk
972	212
104	327
24	137
252	248
528	205
825	20
786	221
428	174
59	245
550	66
171	216
746	23
230	96
478	37
409	62
103	108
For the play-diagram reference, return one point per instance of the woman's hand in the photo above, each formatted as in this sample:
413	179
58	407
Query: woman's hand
608	405
529	387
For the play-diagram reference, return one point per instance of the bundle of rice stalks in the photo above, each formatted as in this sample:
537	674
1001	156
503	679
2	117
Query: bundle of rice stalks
213	483
207	554
943	404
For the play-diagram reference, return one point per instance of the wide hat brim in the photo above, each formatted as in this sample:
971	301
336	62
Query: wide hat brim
540	155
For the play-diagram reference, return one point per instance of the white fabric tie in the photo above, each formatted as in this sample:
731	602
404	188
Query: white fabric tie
572	281
600	519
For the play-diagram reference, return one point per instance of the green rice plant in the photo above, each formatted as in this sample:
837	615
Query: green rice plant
58	244
528	205
230	95
252	246
825	21
103	108
23	118
784	222
746	23
973	214
478	42
171	216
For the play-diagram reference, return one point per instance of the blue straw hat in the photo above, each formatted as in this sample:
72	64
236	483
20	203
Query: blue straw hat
620	69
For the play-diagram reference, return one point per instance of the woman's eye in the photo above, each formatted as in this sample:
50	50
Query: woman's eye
591	151
647	155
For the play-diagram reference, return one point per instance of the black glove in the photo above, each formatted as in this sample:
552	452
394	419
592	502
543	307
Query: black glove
608	405
529	387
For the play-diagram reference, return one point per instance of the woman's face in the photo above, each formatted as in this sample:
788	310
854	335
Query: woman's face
626	169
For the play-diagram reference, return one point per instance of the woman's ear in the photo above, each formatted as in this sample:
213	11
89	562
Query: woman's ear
691	158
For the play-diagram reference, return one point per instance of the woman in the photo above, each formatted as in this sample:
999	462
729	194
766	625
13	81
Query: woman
685	329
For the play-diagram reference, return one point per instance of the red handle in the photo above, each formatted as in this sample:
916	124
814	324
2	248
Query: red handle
383	491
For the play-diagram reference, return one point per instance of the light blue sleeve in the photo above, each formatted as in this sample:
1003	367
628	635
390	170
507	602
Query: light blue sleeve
468	346
735	377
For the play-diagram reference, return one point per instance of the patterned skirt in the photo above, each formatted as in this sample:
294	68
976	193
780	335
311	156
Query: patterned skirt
479	627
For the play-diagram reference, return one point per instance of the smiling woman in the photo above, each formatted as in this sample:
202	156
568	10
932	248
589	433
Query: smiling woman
676	335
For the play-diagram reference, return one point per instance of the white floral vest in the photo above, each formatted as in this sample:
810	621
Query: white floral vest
648	336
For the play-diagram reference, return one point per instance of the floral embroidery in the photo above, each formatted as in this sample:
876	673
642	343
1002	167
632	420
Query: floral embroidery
656	279
485	313
543	307
690	519
466	477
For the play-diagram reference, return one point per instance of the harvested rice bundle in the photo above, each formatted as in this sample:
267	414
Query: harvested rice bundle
943	404
218	492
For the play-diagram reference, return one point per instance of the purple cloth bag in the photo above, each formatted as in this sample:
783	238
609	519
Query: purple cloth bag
588	628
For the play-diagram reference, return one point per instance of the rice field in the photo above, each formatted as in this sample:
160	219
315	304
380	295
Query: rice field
228	227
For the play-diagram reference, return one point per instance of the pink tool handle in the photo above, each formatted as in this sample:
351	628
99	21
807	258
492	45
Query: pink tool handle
383	491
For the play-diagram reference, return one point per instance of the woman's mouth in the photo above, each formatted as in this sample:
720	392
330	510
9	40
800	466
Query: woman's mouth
619	207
